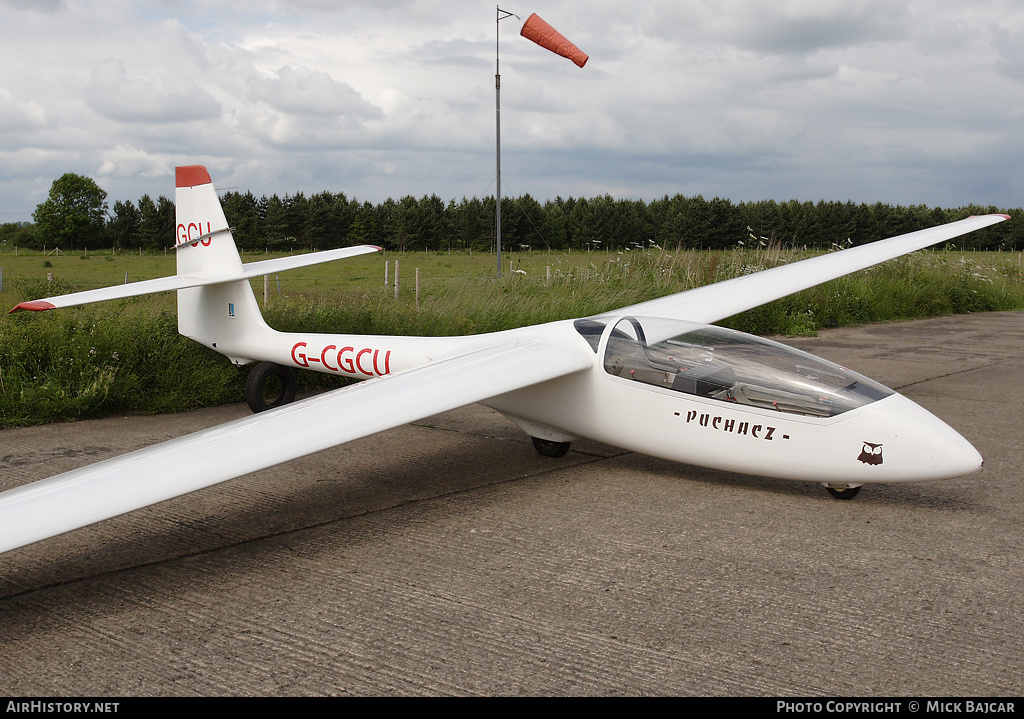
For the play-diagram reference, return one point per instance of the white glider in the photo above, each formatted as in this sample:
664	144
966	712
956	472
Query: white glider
649	378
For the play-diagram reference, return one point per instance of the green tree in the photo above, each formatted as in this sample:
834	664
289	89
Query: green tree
275	221
74	214
322	224
474	225
242	213
554	225
429	229
165	215
150	230
17	234
295	209
125	226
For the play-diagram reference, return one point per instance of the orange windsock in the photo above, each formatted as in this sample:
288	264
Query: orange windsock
547	37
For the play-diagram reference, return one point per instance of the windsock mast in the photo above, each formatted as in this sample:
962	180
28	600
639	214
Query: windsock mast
540	32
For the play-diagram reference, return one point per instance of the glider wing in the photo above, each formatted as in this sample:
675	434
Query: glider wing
83	496
199	279
724	299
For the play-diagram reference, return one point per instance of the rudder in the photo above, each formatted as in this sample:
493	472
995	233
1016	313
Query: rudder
221	315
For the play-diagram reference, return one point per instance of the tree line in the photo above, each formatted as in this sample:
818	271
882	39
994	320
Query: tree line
76	216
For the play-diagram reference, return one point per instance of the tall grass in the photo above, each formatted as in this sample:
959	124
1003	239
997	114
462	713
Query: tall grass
96	361
126	356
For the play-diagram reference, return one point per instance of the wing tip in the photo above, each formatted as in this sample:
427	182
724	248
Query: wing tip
994	214
32	305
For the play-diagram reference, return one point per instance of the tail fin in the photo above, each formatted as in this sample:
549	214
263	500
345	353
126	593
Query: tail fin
222	316
200	220
216	304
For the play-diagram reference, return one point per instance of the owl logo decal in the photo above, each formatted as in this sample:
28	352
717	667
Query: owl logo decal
871	453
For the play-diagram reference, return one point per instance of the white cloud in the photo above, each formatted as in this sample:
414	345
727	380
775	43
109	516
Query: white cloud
18	116
130	163
807	26
1009	43
896	101
297	90
41	6
114	95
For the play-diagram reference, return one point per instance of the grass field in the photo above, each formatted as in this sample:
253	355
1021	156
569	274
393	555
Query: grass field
126	356
651	272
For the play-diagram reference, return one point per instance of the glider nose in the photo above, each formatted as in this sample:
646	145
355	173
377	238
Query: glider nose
961	456
936	448
953	456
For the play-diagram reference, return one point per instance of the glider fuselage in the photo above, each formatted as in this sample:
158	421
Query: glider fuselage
887	439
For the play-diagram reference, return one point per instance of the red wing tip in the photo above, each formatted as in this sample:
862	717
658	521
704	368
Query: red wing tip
34	305
376	248
191	175
994	214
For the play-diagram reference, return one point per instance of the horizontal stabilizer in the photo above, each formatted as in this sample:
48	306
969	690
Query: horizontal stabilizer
198	279
280	264
132	289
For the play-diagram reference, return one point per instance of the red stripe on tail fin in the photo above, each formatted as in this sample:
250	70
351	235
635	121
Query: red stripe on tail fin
191	176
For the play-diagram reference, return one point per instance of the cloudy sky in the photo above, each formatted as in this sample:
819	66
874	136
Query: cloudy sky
870	100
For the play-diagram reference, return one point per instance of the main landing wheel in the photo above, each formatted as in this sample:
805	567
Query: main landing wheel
843	493
269	385
548	448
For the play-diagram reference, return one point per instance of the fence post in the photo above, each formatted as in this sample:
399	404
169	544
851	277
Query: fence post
549	275
396	279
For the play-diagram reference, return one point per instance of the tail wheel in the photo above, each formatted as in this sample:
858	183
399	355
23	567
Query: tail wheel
269	385
547	448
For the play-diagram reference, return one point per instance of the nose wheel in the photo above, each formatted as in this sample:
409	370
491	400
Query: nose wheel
843	492
547	448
